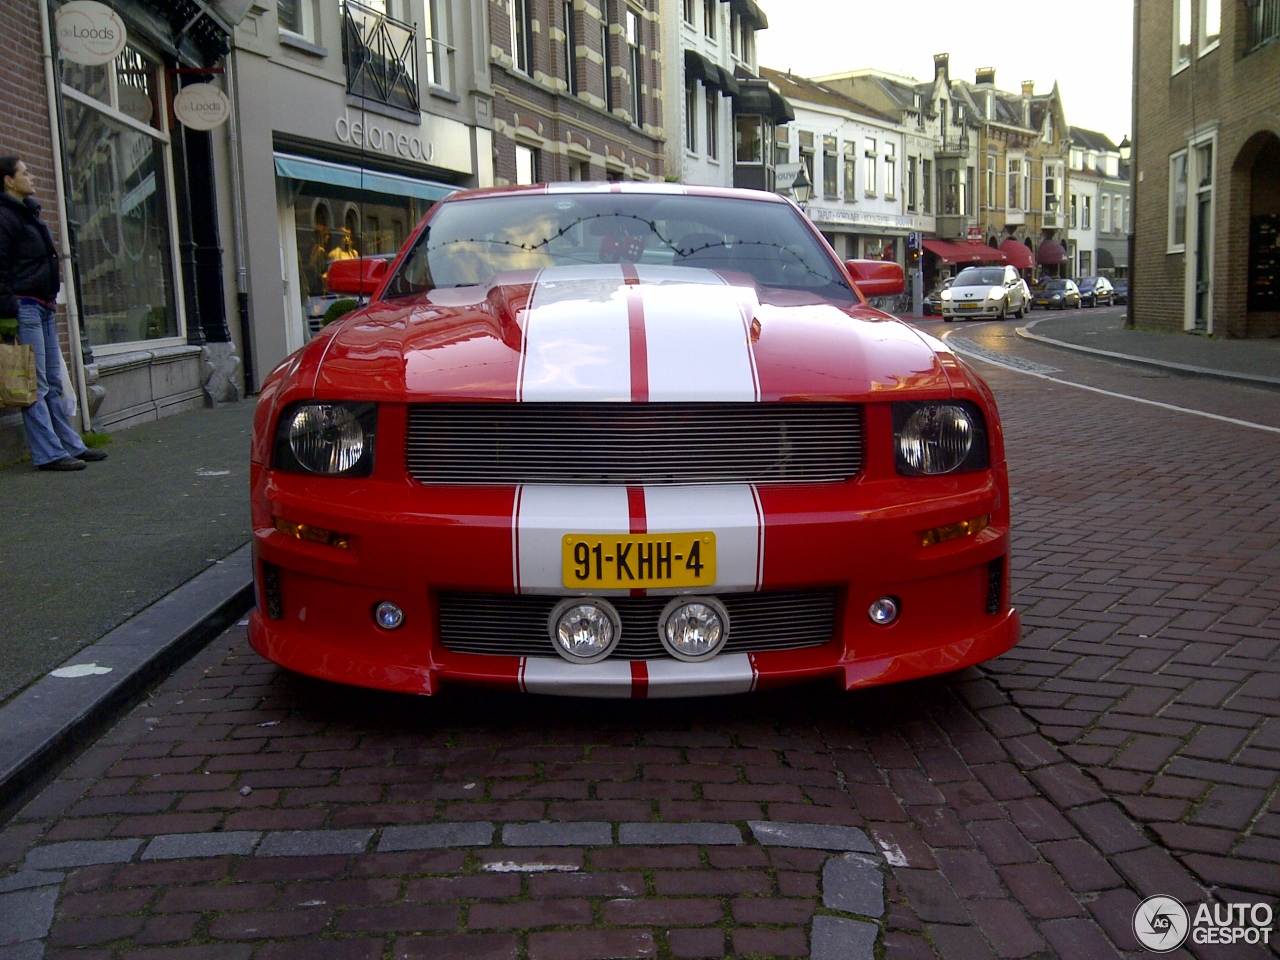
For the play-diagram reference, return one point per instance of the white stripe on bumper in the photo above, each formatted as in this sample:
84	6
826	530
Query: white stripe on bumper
731	511
732	673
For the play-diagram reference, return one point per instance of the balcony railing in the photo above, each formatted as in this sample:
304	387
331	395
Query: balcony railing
1262	23
381	55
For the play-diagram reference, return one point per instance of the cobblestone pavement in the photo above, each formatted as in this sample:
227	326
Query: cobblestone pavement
1128	747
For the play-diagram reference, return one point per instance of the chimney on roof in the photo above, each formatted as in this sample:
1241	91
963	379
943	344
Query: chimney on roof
1028	88
986	76
942	66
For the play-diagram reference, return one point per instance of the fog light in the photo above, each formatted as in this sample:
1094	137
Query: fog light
584	629
694	628
884	611
387	615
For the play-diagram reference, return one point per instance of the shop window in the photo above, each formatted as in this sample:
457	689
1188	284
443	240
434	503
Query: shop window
119	169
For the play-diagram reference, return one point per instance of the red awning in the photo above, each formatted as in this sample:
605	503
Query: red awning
1019	254
985	254
949	252
1051	252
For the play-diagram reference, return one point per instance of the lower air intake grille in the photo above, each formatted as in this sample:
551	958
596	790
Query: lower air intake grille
633	443
516	626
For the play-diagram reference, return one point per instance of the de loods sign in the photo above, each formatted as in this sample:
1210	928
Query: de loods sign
89	33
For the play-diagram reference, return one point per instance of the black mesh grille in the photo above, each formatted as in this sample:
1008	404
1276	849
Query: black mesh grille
995	586
634	443
516	625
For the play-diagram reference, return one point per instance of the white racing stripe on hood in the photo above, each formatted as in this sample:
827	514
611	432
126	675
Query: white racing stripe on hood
698	339
577	342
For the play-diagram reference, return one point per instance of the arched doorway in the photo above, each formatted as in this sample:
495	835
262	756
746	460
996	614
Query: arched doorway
1262	302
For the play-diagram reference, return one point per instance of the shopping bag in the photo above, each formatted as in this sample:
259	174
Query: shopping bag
17	375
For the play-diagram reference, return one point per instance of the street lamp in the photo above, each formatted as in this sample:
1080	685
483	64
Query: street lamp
801	188
1126	149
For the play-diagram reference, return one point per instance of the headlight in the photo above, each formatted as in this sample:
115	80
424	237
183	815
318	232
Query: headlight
938	437
333	439
997	293
1056	296
945	295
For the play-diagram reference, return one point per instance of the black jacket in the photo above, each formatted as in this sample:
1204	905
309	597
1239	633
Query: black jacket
28	256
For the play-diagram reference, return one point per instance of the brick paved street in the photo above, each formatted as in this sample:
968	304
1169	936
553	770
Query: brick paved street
1130	746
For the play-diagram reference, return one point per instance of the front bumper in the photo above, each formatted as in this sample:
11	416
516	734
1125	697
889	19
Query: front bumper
410	544
973	309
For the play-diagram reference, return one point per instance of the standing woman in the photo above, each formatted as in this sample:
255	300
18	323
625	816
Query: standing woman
28	287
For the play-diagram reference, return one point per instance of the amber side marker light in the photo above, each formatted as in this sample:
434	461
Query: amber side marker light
954	531
302	531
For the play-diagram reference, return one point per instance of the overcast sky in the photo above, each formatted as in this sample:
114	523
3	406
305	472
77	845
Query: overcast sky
1086	46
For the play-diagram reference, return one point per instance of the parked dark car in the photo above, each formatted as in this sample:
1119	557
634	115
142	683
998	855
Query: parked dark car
1096	291
933	299
1057	295
1120	290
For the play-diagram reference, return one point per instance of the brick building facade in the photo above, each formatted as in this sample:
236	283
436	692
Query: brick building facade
577	90
1207	168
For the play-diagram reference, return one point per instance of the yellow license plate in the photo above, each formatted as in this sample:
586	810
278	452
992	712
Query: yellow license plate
604	561
970	306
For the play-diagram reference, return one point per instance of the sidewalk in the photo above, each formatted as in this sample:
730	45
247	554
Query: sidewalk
91	563
1248	361
91	566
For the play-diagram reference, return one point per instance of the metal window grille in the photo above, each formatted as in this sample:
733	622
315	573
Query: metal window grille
381	55
1262	23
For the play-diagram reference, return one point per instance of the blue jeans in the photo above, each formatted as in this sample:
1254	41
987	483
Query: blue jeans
50	435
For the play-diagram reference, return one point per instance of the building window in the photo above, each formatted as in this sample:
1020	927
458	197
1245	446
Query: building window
1210	24
830	169
1013	181
1051	180
991	184
1178	201
570	48
1262	23
119	168
636	65
606	50
439	52
689	14
968	191
869	172
735	33
806	153
710	10
1104	213
926	186
950	192
291	16
1181	34
748	134
1086	211
713	123
522	35
912	164
1075	203
890	171
691	115
781	145
526	164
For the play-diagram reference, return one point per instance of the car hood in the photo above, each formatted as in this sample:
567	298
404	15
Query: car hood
622	333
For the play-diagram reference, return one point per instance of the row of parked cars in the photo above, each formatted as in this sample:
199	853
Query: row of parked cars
1000	292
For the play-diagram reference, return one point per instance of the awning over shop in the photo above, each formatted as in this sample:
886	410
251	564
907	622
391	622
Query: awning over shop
762	97
711	74
950	252
1051	253
355	178
1019	254
1105	260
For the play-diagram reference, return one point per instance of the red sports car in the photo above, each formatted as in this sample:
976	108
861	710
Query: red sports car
626	440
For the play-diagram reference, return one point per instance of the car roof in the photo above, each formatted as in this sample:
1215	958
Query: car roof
644	188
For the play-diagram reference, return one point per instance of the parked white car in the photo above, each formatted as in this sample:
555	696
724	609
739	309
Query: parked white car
987	293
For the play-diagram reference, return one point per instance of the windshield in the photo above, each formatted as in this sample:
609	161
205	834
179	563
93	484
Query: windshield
468	242
1056	285
980	277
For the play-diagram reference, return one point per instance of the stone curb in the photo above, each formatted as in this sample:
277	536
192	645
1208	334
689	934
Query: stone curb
1247	378
45	725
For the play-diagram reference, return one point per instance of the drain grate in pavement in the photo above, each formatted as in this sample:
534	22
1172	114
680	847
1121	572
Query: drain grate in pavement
970	349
